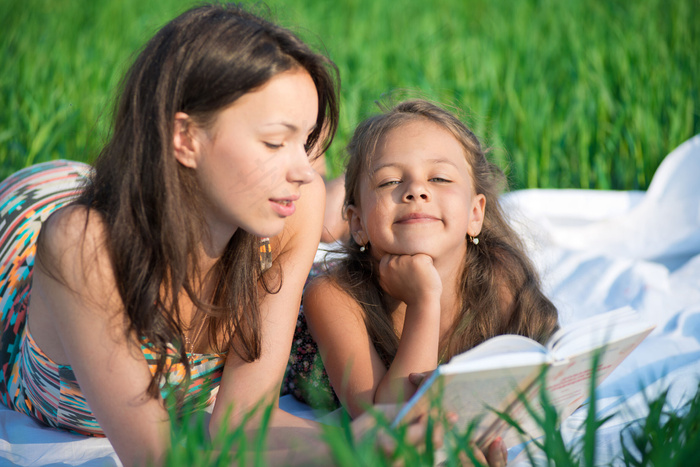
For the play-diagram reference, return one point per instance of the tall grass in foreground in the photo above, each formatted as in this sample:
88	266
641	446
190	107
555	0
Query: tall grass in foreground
575	93
668	436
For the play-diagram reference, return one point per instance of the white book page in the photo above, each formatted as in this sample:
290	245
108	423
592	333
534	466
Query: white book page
597	331
474	396
485	374
498	352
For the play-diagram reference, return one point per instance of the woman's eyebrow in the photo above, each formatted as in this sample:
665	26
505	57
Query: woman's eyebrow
290	126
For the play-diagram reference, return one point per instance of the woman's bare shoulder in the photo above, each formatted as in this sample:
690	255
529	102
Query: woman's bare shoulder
65	227
73	288
72	240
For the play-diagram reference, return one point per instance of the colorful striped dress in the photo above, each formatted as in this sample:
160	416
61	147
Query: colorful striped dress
30	382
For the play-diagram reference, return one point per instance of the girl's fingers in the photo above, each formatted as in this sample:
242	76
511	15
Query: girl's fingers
386	443
416	432
497	453
417	378
466	461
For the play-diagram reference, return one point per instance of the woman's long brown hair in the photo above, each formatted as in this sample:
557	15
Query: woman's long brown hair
199	63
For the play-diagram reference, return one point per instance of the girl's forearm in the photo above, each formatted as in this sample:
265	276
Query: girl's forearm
417	352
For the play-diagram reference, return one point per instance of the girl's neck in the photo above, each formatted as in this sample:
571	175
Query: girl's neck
450	271
450	268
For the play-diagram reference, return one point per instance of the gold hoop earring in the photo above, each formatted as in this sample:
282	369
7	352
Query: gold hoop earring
474	240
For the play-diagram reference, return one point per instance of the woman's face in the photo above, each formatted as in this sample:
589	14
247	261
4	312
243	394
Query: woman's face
252	163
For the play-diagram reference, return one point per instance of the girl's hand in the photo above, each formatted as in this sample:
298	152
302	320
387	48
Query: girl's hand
411	279
417	379
495	456
415	433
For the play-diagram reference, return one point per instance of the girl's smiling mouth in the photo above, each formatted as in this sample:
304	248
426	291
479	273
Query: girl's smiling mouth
416	218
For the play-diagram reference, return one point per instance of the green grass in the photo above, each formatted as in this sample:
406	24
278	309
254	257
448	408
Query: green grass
570	94
667	436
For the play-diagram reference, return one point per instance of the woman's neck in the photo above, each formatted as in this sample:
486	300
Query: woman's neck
211	247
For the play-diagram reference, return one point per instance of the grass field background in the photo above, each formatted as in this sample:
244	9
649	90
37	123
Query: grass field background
569	94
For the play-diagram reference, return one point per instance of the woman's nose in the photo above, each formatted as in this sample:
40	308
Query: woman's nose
300	170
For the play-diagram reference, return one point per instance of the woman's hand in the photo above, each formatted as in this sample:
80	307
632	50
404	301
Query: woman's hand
411	279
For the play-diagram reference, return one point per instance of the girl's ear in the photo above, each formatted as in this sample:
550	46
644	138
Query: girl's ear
476	216
357	230
185	145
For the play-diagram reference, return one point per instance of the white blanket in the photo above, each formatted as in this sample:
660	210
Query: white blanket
596	250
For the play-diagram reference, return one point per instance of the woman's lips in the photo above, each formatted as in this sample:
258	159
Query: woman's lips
284	207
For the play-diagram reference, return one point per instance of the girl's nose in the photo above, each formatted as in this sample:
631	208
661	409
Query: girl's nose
416	191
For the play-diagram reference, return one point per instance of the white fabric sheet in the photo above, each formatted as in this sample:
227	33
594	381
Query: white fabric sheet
596	250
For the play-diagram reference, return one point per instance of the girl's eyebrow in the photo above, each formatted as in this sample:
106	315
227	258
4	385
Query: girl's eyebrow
400	165
443	161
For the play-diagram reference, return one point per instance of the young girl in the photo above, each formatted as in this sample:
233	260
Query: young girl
432	267
149	283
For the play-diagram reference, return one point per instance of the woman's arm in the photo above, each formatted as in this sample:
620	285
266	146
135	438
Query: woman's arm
246	385
79	320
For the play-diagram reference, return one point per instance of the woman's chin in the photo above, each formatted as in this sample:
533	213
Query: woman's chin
264	232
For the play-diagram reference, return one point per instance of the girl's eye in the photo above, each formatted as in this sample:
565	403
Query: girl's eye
439	180
389	183
273	145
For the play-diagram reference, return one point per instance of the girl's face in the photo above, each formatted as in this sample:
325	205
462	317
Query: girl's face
418	196
252	163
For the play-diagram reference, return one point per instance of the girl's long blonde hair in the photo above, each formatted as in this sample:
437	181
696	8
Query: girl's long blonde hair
500	287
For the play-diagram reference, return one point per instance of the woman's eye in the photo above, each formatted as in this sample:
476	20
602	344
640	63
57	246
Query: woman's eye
273	145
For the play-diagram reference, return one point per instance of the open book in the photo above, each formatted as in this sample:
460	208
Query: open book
495	375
